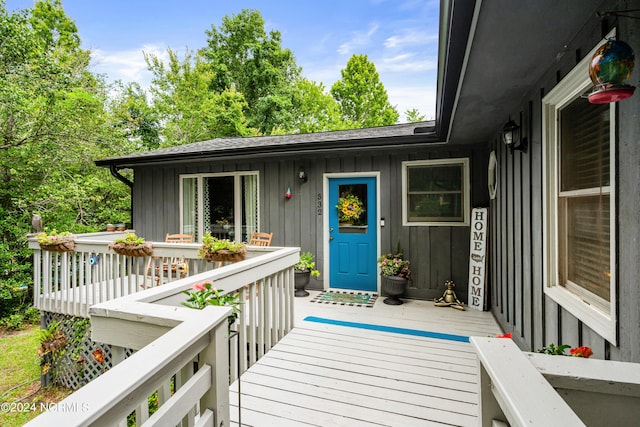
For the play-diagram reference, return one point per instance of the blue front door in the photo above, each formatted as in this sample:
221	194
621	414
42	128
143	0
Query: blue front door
353	236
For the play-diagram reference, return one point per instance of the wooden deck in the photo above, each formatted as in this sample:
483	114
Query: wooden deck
332	375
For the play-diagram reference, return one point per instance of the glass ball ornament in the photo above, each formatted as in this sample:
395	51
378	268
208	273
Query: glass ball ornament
610	66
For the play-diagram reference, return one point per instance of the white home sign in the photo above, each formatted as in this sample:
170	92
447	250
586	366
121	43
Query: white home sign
477	258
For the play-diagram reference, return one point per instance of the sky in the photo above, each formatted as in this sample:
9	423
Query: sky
399	36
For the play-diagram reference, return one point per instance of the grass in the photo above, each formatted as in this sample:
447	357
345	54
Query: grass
21	398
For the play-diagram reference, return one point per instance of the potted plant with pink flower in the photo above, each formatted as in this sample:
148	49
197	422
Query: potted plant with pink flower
56	242
204	293
395	273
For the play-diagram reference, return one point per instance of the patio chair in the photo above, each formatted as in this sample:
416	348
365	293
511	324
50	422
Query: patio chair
260	239
159	267
178	238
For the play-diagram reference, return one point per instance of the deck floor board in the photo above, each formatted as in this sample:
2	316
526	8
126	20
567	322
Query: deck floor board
333	375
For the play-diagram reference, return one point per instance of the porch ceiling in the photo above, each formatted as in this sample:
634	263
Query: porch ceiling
513	44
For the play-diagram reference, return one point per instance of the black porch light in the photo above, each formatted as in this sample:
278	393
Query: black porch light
511	137
302	175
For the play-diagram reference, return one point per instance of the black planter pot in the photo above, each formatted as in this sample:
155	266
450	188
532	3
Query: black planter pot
393	286
302	278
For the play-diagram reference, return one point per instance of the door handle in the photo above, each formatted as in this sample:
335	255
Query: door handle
331	230
331	238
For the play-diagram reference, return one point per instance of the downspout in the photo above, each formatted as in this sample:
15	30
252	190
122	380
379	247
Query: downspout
114	171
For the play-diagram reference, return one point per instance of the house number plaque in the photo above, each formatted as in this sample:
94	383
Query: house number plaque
478	259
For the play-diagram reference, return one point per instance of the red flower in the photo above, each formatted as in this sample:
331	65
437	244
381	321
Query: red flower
582	351
507	335
202	286
98	354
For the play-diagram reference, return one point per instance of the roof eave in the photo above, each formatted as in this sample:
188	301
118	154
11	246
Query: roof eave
418	139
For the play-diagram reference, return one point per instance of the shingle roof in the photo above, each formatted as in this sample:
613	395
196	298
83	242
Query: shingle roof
256	145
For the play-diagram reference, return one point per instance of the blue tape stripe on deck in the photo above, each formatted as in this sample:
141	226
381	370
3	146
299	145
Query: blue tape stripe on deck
404	331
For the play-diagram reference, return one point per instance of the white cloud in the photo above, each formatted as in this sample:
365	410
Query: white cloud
406	62
409	37
418	96
322	73
127	65
359	39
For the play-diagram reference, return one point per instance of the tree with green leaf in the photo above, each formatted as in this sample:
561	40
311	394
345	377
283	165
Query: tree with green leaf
53	125
362	96
187	104
413	116
135	117
314	110
247	59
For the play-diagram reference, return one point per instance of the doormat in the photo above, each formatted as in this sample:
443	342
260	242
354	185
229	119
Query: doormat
350	298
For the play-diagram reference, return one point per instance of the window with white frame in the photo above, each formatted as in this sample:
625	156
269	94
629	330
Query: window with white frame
579	152
435	192
226	205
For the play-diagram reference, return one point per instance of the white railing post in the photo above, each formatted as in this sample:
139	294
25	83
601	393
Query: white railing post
217	398
37	279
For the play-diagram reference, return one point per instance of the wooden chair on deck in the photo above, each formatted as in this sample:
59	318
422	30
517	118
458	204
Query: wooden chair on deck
260	239
160	267
178	238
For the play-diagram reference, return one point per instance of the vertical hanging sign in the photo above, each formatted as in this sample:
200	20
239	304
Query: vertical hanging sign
478	259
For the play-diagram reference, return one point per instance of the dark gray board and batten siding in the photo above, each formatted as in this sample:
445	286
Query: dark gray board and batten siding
437	254
518	300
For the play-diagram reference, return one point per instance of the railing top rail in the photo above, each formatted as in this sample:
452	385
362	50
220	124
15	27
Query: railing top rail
97	242
96	238
521	392
228	278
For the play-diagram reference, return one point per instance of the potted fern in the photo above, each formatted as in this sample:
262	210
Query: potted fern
304	269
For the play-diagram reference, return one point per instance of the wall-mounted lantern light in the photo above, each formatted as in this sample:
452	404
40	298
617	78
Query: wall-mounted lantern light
610	66
511	137
302	175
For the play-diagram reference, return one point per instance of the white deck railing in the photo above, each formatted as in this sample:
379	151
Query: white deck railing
169	337
200	399
531	389
69	283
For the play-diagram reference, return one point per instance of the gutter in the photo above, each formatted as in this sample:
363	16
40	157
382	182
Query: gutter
113	168
273	151
114	171
463	70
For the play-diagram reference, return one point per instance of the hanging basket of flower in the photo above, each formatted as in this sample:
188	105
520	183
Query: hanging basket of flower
350	208
131	245
221	250
56	242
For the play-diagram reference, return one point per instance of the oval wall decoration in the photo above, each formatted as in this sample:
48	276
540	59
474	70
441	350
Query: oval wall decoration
493	175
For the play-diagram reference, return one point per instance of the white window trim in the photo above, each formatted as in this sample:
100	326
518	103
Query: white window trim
237	197
573	85
466	197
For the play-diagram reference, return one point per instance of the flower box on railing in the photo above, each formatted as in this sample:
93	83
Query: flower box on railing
131	245
141	250
67	245
221	250
56	242
223	256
